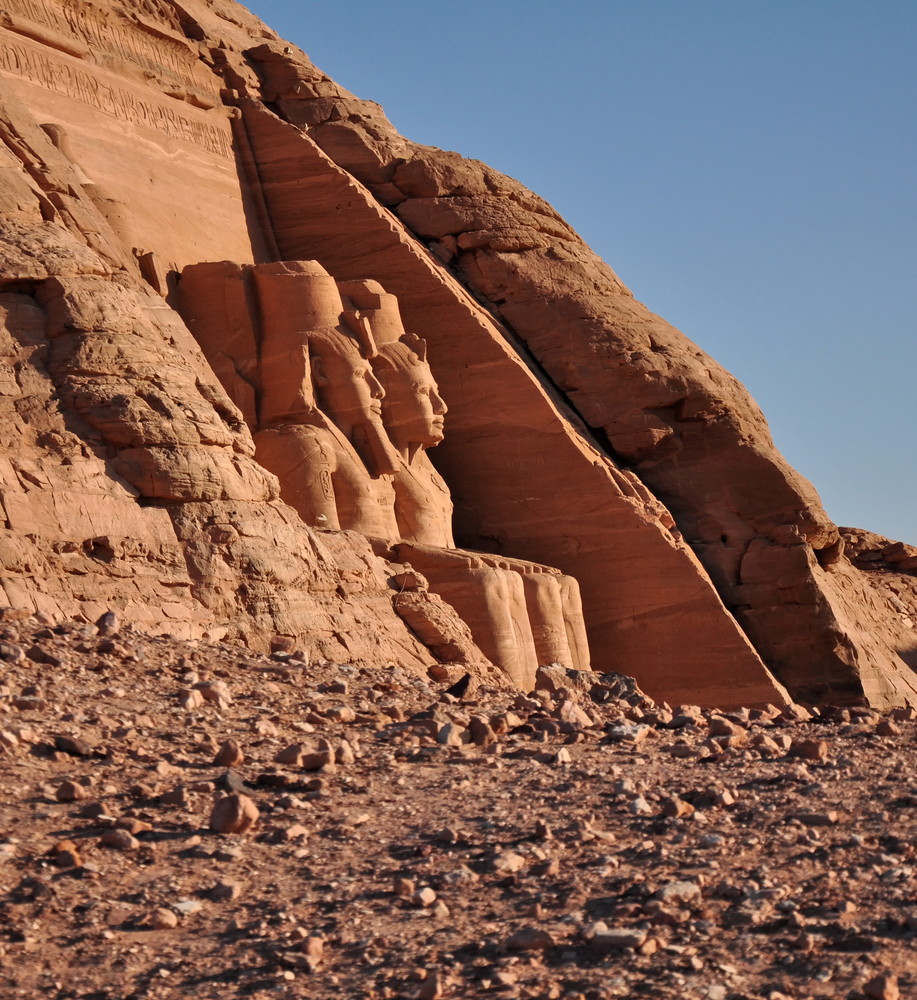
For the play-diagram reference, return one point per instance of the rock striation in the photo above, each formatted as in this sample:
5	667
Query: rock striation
238	312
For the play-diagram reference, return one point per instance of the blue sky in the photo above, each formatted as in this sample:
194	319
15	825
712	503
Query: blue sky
747	168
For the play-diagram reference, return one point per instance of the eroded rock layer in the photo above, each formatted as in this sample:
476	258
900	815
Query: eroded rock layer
596	458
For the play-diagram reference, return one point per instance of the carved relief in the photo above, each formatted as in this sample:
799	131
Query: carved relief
413	413
93	33
347	406
83	85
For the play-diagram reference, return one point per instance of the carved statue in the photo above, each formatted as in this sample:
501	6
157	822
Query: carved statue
413	415
320	413
546	616
346	408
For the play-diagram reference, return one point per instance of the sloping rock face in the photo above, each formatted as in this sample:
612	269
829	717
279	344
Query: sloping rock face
890	568
144	139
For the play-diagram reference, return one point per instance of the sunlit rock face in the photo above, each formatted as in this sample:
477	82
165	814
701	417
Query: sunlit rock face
270	368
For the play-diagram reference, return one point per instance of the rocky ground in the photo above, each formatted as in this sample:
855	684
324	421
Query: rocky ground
183	820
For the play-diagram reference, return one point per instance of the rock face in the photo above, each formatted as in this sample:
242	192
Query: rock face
599	487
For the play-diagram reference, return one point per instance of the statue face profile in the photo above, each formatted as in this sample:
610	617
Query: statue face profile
347	389
348	393
413	410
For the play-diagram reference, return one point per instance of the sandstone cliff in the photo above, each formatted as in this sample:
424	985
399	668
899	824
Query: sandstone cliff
584	434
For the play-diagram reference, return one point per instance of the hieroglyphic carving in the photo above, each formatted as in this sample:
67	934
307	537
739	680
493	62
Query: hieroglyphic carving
120	103
106	35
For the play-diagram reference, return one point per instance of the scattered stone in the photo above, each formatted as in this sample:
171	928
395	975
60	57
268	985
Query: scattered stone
234	814
70	791
424	897
403	887
882	987
520	851
312	950
231	781
451	735
120	840
229	755
480	731
180	797
265	728
676	808
319	760
543	830
603	939
107	623
678	892
766	744
133	825
163	919
721	726
66	855
829	818
529	939
507	862
291	755
639	806
215	693
73	745
816	750
190	700
432	988
11	653
623	733
226	892
188	907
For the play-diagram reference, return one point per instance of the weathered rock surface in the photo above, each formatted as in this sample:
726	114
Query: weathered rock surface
584	434
343	407
130	483
891	569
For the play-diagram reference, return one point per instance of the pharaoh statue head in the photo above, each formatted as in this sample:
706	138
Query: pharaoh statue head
412	409
315	359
